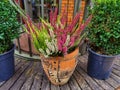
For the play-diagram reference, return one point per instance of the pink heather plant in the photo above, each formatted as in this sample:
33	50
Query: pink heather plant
54	38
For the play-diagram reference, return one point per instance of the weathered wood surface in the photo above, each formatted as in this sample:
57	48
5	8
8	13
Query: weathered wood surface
29	75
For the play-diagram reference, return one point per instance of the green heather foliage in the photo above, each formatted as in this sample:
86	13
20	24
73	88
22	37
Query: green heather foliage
8	26
104	29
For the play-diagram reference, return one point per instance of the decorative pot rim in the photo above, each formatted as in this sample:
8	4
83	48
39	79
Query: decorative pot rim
63	58
5	53
113	56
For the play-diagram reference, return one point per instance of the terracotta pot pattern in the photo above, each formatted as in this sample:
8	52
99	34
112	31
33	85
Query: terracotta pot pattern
60	69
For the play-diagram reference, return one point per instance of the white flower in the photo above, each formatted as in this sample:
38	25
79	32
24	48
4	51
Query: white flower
42	51
48	51
67	40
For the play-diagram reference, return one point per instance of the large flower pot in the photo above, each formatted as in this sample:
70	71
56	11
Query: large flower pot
99	66
7	65
60	69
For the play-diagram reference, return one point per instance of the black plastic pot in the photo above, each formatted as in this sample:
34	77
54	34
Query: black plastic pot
7	65
99	66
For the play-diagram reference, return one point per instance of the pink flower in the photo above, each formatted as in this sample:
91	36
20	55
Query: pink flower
64	50
72	40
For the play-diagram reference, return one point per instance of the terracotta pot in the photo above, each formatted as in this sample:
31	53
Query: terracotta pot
24	46
60	69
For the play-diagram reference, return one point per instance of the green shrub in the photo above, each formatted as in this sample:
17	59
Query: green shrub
104	30
8	26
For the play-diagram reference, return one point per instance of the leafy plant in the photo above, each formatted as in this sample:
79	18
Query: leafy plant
8	26
104	29
54	38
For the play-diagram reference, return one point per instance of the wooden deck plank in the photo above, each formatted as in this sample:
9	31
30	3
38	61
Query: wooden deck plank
116	67
39	81
28	83
53	87
104	84
37	78
19	65
18	84
112	82
89	80
117	61
45	83
81	81
30	80
73	84
17	60
65	87
115	77
116	72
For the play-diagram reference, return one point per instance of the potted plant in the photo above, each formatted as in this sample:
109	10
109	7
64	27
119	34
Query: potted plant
56	42
104	38
8	31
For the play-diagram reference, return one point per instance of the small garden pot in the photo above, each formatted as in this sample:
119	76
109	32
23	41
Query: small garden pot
99	66
7	65
60	69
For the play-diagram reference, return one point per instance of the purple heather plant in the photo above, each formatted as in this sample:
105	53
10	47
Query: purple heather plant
54	38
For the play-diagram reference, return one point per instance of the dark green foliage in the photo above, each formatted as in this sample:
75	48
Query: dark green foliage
9	27
104	29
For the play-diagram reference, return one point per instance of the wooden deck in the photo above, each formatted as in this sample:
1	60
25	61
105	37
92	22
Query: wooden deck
25	78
